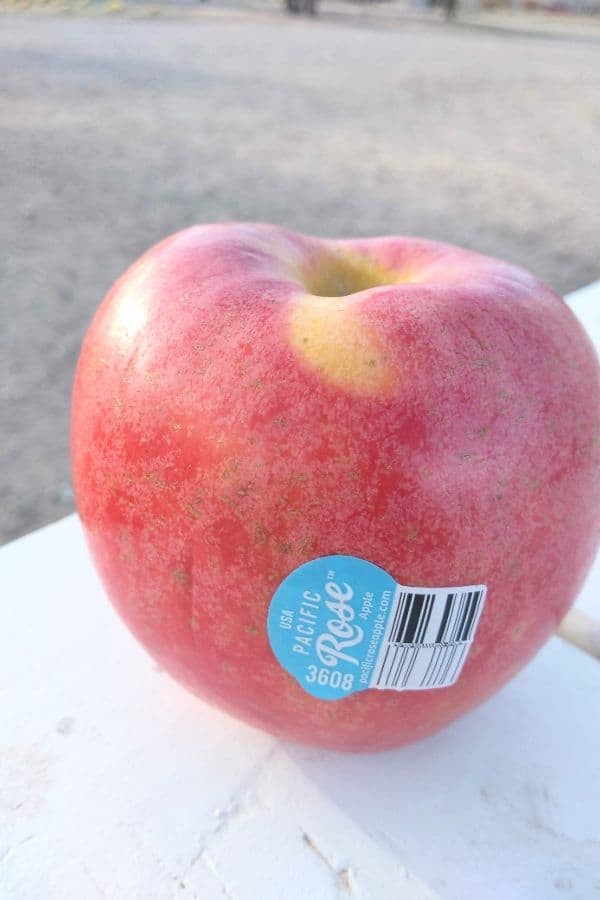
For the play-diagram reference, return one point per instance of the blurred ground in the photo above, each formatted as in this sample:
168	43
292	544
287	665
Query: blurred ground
114	132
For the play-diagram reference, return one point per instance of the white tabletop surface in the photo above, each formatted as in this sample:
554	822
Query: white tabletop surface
115	783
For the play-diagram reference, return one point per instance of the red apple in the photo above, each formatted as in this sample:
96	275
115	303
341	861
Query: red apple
248	399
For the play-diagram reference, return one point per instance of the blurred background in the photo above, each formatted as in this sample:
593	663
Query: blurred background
122	122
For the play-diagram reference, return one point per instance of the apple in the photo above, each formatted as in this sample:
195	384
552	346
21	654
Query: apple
250	401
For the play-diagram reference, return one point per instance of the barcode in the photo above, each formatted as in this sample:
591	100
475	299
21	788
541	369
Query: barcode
429	636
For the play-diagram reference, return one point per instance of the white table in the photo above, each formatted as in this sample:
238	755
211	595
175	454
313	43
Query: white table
115	783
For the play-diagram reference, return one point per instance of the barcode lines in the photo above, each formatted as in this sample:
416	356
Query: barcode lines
412	620
445	617
426	618
429	637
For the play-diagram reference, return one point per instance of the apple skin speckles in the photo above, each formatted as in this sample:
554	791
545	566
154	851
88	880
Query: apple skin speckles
248	398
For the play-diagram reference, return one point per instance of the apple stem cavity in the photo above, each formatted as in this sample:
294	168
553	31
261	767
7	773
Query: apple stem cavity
343	273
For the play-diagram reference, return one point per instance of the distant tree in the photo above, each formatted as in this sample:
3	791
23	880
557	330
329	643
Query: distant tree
299	7
448	5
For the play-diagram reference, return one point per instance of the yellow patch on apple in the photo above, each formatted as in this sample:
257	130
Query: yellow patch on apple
329	336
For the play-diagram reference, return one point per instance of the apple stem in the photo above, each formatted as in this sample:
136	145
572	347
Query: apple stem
582	631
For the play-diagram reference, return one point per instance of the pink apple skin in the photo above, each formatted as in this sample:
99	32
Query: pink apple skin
440	418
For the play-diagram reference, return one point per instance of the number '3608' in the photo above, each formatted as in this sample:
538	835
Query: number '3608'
333	678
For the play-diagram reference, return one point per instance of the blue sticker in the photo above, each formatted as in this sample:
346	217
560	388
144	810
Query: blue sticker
327	621
340	624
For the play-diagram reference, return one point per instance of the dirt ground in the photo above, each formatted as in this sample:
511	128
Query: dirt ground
115	132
